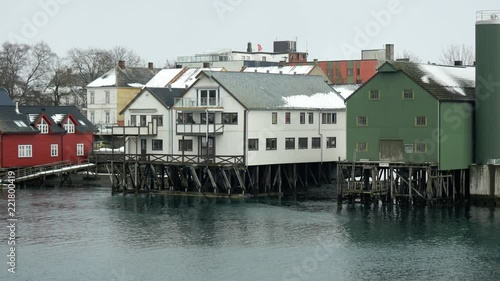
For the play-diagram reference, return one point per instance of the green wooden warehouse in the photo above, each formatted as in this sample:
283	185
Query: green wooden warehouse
410	123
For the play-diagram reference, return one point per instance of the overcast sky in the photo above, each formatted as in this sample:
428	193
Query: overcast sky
161	30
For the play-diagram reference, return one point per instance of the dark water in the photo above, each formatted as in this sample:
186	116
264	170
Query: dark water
87	234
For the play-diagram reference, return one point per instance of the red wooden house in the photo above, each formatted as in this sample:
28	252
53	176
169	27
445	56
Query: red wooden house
36	135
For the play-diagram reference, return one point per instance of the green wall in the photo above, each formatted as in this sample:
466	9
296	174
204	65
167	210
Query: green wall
456	135
487	92
392	118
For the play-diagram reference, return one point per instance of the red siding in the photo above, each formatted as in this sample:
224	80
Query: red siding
70	142
40	150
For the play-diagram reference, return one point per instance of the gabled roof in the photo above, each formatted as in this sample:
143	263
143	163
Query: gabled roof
128	77
165	96
272	91
178	77
13	122
57	114
5	99
452	83
346	90
298	69
163	77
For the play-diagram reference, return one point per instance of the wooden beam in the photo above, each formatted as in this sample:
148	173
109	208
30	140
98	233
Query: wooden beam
212	180
240	180
195	177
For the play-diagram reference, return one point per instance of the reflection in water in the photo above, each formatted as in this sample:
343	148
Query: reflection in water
65	232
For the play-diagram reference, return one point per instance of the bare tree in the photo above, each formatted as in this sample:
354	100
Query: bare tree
13	60
90	64
169	64
410	56
129	56
457	52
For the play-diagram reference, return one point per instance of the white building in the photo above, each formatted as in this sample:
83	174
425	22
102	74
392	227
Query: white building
110	93
265	118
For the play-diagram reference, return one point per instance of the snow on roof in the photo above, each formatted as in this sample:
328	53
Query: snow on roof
298	69
189	77
451	77
33	117
162	78
136	85
319	100
108	79
346	90
58	117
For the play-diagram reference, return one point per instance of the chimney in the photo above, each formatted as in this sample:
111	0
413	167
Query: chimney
150	66
206	65
315	61
282	63
458	63
17	108
281	71
249	47
121	64
389	52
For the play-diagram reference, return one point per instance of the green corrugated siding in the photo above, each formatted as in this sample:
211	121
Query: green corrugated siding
456	135
392	118
487	94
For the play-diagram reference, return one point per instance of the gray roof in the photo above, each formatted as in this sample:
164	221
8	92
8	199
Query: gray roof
166	96
13	122
57	114
5	99
454	83
267	91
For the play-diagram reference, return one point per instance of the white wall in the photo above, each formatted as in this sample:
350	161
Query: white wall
99	107
260	127
147	104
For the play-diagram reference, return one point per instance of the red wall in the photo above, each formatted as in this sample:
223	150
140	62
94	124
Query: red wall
70	142
40	150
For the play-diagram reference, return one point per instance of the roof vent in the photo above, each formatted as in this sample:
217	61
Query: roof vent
458	63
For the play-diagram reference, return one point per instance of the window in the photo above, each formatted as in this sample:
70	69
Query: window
69	127
253	144
264	58
349	71
92	97
79	149
185	118
421	121
142	120
311	117
329	118
159	119
54	150
274	117
374	95
185	145
288	118
271	144
157	145
92	116
289	143
107	118
208	97
108	100
230	118
211	118
302	143
302	118
421	148
361	121
133	120
408	94
361	146
43	126
316	143
66	100
24	151
331	142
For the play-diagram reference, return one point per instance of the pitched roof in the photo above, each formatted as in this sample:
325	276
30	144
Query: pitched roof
134	77
271	91
13	122
178	77
443	82
57	114
163	77
5	99
166	96
346	90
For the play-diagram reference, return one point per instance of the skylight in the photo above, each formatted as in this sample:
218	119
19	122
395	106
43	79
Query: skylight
20	123
82	123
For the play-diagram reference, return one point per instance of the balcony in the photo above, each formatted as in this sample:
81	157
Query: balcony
199	129
198	103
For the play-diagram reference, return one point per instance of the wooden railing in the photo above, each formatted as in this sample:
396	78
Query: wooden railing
23	173
170	159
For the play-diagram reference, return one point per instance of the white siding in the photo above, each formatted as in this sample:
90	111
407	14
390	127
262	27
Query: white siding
99	107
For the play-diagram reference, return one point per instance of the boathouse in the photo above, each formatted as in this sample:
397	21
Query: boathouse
410	132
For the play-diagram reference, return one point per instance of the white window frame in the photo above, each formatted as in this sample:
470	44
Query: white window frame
24	151
54	150
80	149
107	97
92	97
43	127
107	117
69	126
